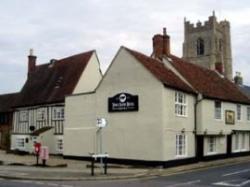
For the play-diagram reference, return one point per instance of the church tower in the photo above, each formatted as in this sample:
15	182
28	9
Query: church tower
209	45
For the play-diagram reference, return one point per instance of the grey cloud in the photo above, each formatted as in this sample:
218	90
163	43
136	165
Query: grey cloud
56	29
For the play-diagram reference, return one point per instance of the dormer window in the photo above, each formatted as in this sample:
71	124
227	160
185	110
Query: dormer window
200	46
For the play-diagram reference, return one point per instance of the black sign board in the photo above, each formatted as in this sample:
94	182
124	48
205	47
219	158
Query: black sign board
123	102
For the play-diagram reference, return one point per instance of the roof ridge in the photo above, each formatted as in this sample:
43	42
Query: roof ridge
195	65
131	50
160	71
66	58
75	55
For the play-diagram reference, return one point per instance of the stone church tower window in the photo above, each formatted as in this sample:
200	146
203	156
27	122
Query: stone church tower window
200	46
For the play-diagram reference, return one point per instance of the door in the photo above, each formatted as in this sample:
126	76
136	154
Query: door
199	147
229	144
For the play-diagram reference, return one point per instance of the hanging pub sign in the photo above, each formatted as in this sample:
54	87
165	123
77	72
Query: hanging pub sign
123	102
230	117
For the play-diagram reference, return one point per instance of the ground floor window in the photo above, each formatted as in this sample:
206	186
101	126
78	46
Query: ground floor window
240	141
211	144
181	145
20	142
243	141
59	145
237	142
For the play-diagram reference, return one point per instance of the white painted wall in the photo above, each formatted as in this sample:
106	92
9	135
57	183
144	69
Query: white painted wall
206	119
129	135
91	76
174	125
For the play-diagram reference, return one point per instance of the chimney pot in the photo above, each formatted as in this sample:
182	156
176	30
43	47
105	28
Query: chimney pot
31	61
164	31
238	79
161	45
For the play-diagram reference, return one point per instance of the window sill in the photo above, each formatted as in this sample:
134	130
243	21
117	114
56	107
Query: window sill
211	153
182	116
218	119
243	150
180	156
236	151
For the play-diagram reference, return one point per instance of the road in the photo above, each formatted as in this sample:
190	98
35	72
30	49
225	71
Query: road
235	176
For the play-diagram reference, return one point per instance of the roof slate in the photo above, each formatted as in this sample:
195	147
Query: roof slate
161	72
49	83
7	101
208	82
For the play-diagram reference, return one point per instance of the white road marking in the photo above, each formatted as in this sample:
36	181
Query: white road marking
64	185
236	172
53	184
25	181
186	183
13	173
40	183
230	184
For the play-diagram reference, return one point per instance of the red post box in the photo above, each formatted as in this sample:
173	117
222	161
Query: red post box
37	147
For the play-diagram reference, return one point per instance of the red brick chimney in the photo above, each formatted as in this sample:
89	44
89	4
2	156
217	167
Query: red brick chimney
31	62
161	45
219	68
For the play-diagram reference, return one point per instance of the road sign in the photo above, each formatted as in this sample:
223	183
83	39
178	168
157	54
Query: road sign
101	122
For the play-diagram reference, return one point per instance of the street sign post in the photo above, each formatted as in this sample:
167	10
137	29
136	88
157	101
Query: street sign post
100	123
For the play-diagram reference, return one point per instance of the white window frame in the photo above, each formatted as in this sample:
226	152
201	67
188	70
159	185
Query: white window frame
59	145
20	143
243	141
58	113
238	112
212	143
181	105
181	149
23	116
41	114
248	113
237	142
218	110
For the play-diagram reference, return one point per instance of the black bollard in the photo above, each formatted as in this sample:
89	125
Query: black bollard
105	165
44	162
37	159
93	167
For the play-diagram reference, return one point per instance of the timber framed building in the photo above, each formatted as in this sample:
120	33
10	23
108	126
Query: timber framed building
40	103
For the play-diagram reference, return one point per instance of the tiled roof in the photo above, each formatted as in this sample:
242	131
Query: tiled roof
49	83
7	101
209	82
40	131
245	89
161	72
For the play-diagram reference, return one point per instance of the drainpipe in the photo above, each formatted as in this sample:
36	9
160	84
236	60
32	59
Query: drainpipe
198	100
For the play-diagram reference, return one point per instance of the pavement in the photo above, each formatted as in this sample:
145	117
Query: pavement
22	167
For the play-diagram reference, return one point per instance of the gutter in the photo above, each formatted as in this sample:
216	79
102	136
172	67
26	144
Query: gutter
199	98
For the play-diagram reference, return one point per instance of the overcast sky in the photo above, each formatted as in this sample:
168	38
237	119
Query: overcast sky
57	29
